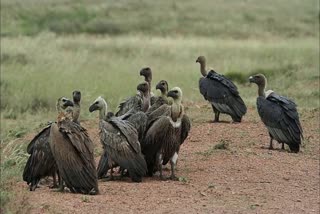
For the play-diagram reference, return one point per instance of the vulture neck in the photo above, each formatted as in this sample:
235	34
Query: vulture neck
261	89
103	112
146	101
76	111
164	94
176	110
203	68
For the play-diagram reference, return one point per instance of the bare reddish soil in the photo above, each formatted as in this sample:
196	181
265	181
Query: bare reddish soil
245	178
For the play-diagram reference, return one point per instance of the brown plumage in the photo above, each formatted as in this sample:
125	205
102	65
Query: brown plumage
73	151
41	162
139	102
147	74
162	99
120	141
168	128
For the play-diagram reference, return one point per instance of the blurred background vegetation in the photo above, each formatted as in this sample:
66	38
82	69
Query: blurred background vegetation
51	47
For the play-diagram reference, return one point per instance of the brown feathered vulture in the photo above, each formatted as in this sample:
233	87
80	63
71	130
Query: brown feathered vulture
120	141
73	151
139	102
168	128
41	163
221	92
279	114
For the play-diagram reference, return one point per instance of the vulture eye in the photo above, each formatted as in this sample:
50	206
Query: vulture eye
64	100
162	83
96	103
175	91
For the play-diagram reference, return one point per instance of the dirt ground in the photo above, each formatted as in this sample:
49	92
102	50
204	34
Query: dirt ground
244	178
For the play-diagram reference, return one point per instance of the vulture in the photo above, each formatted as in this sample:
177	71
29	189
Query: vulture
221	93
139	102
147	74
41	163
120	141
169	127
279	114
162	99
73	151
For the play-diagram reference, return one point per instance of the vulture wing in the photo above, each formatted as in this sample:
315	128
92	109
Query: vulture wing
41	162
122	146
159	101
73	151
134	102
280	116
223	94
164	110
185	127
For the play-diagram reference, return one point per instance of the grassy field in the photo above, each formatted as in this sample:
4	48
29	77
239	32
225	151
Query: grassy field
49	48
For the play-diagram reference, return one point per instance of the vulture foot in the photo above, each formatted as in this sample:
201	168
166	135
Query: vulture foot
173	178
54	186
282	147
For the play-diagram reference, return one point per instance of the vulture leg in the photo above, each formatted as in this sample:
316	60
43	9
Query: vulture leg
216	114
282	147
271	146
160	166
173	162
54	181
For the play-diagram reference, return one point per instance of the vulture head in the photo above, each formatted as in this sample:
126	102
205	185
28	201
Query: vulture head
147	73
143	87
201	59
261	81
176	94
258	79
162	86
76	96
63	103
98	104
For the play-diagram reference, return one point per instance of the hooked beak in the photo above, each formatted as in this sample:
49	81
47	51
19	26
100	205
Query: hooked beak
68	103
197	60
172	94
251	79
93	107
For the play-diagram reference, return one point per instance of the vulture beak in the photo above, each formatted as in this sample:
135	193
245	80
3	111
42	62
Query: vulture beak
172	94
158	86
68	103
93	107
197	60
251	79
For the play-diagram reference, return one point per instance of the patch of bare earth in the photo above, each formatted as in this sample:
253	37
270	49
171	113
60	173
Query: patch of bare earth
244	178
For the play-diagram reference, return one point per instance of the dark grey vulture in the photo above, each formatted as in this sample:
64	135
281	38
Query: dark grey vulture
120	142
162	99
279	114
147	74
73	151
139	102
168	130
221	93
41	163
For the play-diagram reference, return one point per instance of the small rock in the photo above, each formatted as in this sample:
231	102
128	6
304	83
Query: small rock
203	194
298	200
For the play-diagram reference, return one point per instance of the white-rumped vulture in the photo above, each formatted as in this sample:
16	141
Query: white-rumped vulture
168	128
221	93
120	142
279	114
139	102
162	99
41	163
73	151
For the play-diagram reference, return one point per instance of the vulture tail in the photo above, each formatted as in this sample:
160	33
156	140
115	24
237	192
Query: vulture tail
103	166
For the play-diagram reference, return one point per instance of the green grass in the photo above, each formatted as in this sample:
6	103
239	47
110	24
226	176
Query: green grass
215	19
50	48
